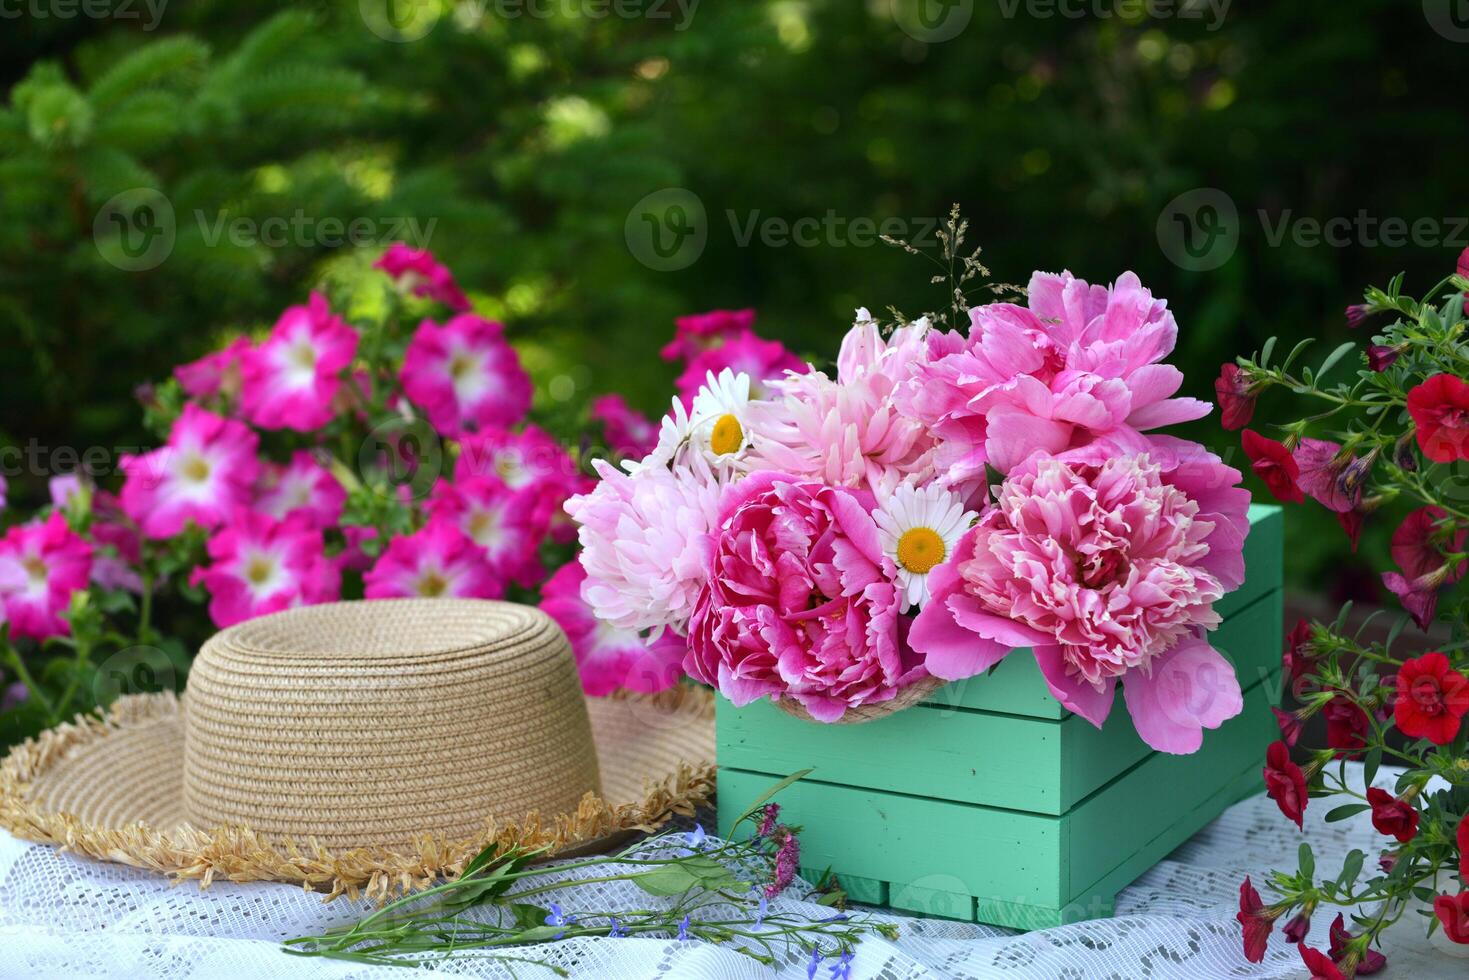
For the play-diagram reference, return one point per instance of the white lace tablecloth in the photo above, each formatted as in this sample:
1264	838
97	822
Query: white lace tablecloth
61	916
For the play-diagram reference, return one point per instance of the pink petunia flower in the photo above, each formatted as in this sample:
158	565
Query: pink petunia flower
120	545
465	376
217	373
645	544
261	565
702	331
507	525
291	380
528	461
629	433
207	468
436	561
302	487
1080	362
609	658
418	272
41	564
1108	566
744	353
799	601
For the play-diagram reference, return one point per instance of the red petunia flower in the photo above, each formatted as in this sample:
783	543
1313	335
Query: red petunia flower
1297	658
1319	964
1291	725
1453	912
1351	522
1325	474
1391	817
1372	961
1256	919
1273	463
1347	726
1440	409
1236	401
1285	783
1380	357
1432	697
1424	570
1461	837
1296	929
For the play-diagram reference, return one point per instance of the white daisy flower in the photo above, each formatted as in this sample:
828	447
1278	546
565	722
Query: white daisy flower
918	529
673	436
720	421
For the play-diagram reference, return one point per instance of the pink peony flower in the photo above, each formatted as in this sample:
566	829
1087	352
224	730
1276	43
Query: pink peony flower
1081	362
701	331
465	375
799	601
262	565
291	380
629	433
528	461
206	469
609	658
645	544
214	374
505	524
745	353
302	487
41	564
848	432
418	272
436	561
1107	565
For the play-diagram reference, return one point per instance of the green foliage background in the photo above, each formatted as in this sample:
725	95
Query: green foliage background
527	140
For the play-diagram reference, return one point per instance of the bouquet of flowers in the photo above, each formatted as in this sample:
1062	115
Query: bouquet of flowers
1389	440
959	486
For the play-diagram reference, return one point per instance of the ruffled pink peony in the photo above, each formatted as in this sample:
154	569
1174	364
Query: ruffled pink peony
302	487
261	565
291	380
437	561
214	374
1107	565
629	432
1081	362
41	564
607	657
701	331
848	432
507	525
418	272
645	543
207	468
799	601
465	375
745	353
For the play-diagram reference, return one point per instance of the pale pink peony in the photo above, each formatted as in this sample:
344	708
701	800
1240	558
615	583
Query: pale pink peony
213	374
261	565
207	468
607	657
291	380
437	561
41	564
1081	362
848	432
1107	565
302	487
745	353
528	461
418	272
507	525
465	375
645	544
799	601
629	433
701	331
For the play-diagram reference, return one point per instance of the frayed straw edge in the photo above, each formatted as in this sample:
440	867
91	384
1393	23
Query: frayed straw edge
238	854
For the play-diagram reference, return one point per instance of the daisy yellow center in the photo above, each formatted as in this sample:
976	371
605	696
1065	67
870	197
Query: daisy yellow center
920	549
431	585
727	435
196	468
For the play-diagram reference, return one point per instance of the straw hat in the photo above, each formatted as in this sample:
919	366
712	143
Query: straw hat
369	746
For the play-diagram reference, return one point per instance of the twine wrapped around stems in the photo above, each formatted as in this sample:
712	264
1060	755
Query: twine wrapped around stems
914	693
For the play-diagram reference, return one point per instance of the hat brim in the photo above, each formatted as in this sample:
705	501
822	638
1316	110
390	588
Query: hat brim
110	787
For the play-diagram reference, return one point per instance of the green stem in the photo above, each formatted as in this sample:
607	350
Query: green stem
83	656
12	656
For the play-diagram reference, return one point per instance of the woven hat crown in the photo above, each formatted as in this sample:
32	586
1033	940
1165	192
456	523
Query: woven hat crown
365	724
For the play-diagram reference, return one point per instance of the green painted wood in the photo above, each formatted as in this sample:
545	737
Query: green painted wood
1046	766
864	891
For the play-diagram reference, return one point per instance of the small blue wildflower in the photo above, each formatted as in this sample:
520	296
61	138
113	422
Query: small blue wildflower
697	837
617	931
815	963
559	918
760	912
842	969
683	929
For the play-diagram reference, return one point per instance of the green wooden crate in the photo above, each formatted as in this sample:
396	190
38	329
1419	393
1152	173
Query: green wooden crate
992	803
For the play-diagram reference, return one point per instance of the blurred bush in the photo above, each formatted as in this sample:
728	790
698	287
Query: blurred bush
520	144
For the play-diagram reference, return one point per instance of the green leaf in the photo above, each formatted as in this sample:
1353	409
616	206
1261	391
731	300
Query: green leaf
1371	764
1343	812
764	797
1266	351
528	916
1335	356
1351	867
1307	862
480	860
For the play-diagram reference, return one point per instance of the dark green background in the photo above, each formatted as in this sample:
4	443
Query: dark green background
530	139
